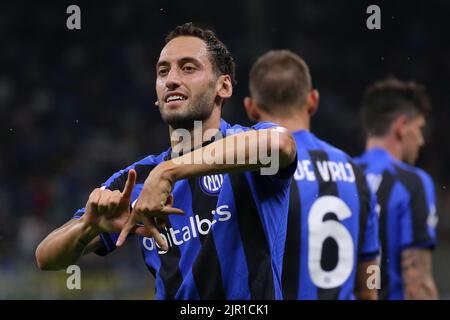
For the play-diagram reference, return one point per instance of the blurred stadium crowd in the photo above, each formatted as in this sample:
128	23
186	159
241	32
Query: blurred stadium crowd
77	106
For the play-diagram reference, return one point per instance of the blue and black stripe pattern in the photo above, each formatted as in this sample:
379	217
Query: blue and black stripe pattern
332	224
230	242
407	213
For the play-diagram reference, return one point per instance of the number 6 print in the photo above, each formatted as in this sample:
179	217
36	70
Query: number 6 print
319	231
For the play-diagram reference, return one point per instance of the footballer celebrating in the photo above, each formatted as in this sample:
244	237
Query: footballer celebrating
208	229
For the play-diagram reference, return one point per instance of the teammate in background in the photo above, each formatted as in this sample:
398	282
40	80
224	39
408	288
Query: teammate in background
393	115
332	236
217	228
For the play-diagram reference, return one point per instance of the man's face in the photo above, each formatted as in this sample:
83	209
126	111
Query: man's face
185	82
413	139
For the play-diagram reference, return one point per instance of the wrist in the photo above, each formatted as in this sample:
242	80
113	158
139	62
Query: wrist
166	170
89	229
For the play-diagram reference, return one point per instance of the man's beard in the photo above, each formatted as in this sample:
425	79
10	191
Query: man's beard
199	109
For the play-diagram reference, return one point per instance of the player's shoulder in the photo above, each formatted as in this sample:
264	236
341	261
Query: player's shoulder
333	151
413	177
377	161
306	140
228	129
151	160
345	157
359	160
142	167
310	143
237	128
265	125
335	154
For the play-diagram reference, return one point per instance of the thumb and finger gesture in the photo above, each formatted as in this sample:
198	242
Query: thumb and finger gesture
105	208
150	211
128	189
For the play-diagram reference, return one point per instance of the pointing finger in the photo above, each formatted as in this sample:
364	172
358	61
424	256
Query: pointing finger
129	185
171	210
129	225
150	226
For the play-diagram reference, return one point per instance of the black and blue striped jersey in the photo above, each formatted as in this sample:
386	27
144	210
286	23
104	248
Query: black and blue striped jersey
332	223
230	242
407	213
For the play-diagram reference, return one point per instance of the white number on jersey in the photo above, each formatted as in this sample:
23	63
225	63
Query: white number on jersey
319	231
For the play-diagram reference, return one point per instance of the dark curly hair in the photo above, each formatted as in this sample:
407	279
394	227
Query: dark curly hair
386	100
220	57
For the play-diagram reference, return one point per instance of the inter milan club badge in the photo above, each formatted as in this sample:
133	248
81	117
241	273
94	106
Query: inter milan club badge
211	184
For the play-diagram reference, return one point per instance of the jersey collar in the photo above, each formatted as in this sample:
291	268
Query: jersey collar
223	129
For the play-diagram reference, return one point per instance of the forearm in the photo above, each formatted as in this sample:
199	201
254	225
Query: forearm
246	151
65	245
417	275
365	286
241	152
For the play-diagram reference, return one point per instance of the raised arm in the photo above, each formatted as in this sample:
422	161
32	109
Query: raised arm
244	151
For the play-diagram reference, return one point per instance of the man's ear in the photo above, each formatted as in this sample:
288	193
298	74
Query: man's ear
224	87
312	102
399	127
251	109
